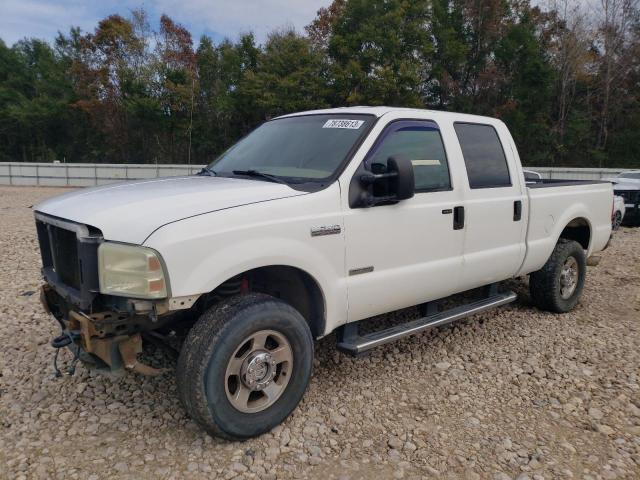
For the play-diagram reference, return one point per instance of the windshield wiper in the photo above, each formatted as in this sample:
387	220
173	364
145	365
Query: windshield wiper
256	173
207	172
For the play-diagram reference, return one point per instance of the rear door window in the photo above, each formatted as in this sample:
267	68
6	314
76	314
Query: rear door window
483	156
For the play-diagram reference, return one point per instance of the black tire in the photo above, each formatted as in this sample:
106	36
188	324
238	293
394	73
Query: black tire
545	284
617	221
208	350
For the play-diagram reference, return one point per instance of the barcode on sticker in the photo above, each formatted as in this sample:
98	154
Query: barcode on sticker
343	123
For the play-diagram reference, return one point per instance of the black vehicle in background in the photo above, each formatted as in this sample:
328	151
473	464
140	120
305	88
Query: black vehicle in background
627	185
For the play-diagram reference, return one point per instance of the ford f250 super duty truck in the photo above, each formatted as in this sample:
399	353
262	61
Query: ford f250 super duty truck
311	224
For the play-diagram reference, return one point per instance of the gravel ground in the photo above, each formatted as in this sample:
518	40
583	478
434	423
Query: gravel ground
513	393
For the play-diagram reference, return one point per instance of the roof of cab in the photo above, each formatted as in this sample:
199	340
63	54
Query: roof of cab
377	111
380	111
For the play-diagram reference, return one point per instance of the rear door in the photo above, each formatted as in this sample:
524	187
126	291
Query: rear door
494	203
409	252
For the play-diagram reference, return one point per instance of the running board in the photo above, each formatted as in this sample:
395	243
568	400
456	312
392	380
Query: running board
349	341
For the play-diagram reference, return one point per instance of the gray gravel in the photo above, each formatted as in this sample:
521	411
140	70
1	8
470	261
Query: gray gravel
514	393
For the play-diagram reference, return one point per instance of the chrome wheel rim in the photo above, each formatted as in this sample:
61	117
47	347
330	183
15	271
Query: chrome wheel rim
568	278
258	372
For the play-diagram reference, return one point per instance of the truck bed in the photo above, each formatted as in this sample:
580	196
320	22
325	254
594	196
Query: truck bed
554	204
547	183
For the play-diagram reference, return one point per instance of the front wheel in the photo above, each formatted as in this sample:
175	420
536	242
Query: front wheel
557	286
245	365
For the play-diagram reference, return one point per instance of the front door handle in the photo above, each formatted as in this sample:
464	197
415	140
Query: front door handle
517	210
458	218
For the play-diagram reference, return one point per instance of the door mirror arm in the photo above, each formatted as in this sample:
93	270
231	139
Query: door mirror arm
369	178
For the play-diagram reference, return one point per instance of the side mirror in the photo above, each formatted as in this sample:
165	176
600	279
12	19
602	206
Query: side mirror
405	184
396	183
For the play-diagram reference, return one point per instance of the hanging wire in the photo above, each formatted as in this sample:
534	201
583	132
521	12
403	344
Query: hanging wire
59	343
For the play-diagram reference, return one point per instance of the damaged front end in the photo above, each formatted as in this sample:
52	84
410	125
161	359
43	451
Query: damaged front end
109	339
104	295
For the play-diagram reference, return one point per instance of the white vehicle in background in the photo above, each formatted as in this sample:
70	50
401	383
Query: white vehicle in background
313	223
627	186
630	176
618	211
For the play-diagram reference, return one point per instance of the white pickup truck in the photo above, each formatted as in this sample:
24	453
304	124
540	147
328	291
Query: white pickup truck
311	224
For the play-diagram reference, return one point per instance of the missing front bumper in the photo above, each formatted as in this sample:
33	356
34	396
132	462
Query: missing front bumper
96	335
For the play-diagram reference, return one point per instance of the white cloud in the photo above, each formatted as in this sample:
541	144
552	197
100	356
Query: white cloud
227	18
35	18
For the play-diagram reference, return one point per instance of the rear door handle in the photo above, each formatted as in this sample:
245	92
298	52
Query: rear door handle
458	218
517	210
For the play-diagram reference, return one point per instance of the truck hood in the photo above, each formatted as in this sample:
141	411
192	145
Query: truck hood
129	212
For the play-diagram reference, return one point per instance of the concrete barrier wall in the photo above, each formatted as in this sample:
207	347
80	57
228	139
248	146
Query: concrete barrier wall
89	174
85	174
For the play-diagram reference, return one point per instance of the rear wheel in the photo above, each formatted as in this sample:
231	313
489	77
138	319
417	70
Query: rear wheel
557	286
245	365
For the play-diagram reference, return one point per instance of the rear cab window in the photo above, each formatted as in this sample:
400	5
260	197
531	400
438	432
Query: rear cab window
484	156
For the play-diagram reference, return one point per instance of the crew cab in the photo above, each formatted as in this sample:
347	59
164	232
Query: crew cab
313	223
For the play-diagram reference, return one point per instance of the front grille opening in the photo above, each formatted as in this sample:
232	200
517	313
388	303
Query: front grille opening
45	248
70	258
629	195
65	255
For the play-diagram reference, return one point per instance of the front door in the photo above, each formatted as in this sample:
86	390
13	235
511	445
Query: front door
408	252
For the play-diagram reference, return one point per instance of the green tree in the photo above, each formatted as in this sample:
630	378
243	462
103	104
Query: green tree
177	88
34	97
289	76
127	92
377	51
105	72
223	113
448	62
526	93
624	132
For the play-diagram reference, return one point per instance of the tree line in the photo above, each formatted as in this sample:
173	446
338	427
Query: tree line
564	78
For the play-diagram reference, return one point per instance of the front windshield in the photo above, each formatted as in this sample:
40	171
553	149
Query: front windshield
633	175
299	149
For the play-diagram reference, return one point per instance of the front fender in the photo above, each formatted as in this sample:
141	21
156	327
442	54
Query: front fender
204	251
235	259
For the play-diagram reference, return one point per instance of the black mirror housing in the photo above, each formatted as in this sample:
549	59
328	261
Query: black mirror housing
404	180
395	183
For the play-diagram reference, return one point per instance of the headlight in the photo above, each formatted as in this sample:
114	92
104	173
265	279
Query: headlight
130	271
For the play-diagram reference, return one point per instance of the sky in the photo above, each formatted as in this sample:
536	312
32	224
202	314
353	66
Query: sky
216	18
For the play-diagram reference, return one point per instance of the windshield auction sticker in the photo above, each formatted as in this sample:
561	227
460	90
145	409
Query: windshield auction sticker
343	123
